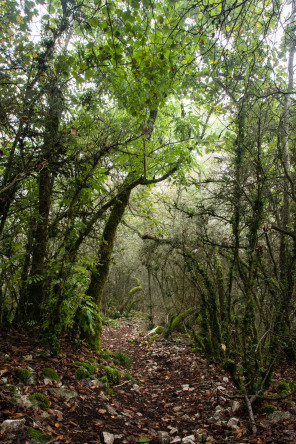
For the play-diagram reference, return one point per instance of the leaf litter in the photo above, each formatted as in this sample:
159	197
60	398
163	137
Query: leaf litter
171	394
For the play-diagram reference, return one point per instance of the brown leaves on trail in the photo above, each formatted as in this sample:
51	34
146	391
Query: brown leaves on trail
175	393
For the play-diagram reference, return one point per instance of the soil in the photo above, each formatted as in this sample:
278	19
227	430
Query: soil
169	389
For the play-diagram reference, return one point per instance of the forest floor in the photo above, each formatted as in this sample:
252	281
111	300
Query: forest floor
170	395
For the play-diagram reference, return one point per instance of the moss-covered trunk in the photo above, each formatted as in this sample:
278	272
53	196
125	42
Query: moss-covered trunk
100	271
36	288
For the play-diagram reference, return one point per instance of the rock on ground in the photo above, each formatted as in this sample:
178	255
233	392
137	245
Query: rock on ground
12	425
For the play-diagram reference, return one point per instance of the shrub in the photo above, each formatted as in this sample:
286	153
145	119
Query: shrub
23	374
50	373
41	399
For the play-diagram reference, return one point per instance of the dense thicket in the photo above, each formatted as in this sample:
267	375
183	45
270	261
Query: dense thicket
98	102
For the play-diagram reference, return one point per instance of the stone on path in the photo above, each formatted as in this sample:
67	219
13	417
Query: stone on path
189	439
12	425
63	393
278	416
164	438
108	438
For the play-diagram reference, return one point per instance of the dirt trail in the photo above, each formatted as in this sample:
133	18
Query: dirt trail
175	388
171	394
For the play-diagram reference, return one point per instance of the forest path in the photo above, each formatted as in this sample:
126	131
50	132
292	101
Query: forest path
171	394
176	392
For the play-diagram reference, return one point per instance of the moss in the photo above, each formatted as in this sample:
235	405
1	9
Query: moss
268	409
284	387
81	373
91	360
91	368
123	359
154	336
105	381
39	436
12	389
113	375
106	354
129	377
50	373
23	374
42	400
175	321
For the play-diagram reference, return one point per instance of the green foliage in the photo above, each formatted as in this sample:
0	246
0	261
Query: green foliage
123	359
50	373
268	409
41	399
91	368
23	374
112	374
154	336
88	315
39	436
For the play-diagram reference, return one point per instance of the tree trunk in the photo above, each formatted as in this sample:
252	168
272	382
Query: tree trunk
101	270
36	287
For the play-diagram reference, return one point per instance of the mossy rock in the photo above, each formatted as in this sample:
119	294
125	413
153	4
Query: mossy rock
39	436
123	359
81	373
268	409
91	368
50	374
23	374
113	375
41	399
